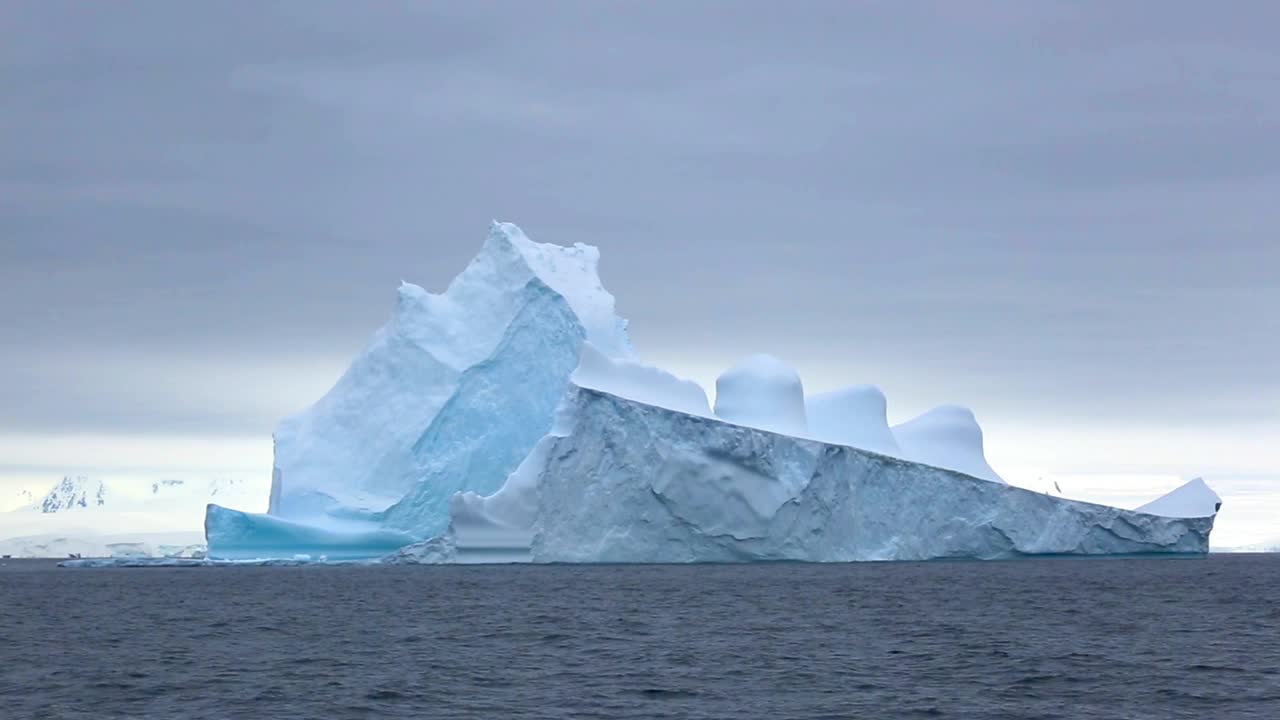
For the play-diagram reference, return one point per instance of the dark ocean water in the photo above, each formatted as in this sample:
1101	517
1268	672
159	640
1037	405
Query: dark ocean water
1121	638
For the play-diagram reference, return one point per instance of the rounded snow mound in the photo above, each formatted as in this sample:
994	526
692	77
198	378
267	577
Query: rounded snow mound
856	416
1192	499
637	381
948	437
762	392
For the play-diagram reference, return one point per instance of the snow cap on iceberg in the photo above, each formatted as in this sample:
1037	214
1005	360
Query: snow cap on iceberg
856	416
640	382
360	447
1192	499
461	326
948	437
573	273
762	392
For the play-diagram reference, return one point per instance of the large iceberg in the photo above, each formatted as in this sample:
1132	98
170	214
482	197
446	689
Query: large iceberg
449	396
508	420
623	481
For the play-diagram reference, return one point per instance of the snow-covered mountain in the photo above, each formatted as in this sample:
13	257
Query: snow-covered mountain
73	492
76	493
130	517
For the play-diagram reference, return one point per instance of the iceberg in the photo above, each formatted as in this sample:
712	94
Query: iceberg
623	481
500	527
509	420
450	396
239	536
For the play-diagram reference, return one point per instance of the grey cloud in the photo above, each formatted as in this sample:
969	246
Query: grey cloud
998	205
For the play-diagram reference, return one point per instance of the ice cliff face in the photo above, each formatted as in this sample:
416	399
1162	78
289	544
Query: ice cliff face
235	534
629	482
450	396
500	527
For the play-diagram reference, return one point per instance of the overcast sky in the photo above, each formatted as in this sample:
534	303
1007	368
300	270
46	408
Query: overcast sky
1063	215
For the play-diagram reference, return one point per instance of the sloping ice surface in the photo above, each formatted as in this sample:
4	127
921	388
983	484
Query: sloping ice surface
623	481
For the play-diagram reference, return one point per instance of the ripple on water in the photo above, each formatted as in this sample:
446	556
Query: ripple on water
1027	639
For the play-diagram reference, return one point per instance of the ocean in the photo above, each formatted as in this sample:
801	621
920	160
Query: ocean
1035	638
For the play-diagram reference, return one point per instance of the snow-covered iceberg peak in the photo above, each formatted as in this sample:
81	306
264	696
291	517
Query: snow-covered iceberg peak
358	448
856	416
449	396
461	326
1192	499
572	272
948	437
762	392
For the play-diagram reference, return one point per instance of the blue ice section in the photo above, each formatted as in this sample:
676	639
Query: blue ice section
235	535
502	407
